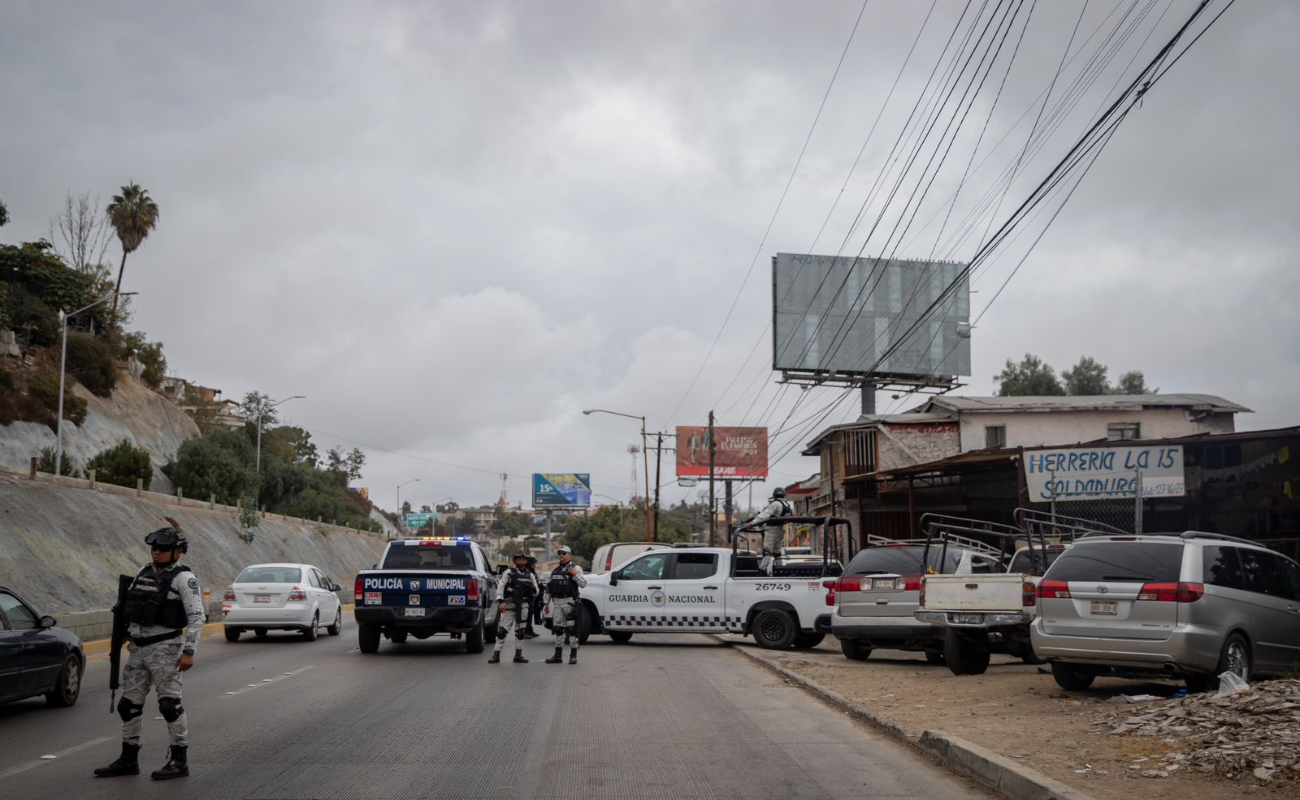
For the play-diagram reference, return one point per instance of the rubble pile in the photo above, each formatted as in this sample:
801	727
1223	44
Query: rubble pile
1255	733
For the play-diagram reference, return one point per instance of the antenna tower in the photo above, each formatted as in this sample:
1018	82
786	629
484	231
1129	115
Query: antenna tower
634	450
501	501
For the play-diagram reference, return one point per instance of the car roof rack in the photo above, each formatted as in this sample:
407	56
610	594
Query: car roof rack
1047	523
1181	535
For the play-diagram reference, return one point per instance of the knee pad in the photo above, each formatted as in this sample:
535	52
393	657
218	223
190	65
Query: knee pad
170	707
571	630
501	632
128	710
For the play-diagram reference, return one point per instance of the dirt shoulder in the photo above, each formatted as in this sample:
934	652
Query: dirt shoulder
1018	711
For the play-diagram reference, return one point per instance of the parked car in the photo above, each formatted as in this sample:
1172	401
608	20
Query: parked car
1190	606
282	597
877	595
609	557
36	656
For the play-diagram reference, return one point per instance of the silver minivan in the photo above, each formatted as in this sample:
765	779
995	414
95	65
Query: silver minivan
1189	606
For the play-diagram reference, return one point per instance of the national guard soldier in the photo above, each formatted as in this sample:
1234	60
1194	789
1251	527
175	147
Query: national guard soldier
563	587
769	516
518	588
534	607
164	611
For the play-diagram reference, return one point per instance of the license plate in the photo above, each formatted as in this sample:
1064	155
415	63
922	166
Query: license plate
455	600
415	612
1101	609
261	598
968	619
882	583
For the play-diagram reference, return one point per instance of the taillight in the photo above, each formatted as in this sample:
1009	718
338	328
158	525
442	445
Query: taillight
473	588
1028	594
849	584
1172	592
1050	590
297	594
830	591
609	561
357	593
911	583
229	596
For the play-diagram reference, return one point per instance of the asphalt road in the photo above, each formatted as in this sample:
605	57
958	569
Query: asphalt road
664	716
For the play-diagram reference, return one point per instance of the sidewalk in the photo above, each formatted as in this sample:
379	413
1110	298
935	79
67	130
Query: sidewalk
1013	710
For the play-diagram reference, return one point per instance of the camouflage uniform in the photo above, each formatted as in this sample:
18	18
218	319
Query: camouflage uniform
155	664
518	587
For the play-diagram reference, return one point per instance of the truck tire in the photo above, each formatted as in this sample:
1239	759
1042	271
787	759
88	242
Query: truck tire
620	636
807	641
1069	676
774	629
964	656
854	649
368	638
474	639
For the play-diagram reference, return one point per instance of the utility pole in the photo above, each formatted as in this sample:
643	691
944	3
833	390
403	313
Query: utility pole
659	446
713	507
728	501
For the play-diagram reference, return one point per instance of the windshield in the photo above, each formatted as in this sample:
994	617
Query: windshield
1135	562
428	557
270	575
901	560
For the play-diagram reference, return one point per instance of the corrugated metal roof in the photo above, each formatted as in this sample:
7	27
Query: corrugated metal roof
1115	402
872	420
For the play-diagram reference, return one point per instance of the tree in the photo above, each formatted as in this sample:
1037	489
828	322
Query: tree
4	214
449	507
292	444
133	214
406	506
122	465
258	413
1088	377
220	463
345	467
68	468
1029	377
1133	382
80	234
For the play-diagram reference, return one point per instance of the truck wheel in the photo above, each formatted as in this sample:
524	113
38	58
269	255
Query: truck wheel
584	624
807	641
232	634
368	638
964	656
621	636
474	639
1068	676
397	637
774	629
855	649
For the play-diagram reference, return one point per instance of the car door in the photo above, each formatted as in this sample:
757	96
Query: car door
1269	588
40	652
10	662
637	602
694	592
329	599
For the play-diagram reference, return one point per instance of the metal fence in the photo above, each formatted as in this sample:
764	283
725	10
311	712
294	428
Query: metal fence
1121	510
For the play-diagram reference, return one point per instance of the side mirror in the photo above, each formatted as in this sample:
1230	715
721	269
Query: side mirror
614	576
48	622
334	587
374	566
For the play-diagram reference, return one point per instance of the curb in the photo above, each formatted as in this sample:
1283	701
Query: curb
997	772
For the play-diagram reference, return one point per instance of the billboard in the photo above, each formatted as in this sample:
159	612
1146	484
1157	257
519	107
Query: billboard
1095	473
839	315
561	489
740	452
414	522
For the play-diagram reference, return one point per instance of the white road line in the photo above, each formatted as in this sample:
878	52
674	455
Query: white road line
266	682
59	754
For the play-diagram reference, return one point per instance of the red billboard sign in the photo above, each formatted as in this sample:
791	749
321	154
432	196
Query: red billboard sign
740	452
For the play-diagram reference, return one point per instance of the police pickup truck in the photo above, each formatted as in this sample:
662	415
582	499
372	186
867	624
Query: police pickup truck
714	590
427	586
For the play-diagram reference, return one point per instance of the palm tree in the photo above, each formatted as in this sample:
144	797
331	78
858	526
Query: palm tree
133	213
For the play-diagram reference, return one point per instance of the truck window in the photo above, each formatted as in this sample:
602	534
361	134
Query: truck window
428	557
896	560
695	566
648	568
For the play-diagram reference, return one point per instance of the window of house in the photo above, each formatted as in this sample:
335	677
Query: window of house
1123	431
995	435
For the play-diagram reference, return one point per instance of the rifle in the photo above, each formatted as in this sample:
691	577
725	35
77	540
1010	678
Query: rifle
118	639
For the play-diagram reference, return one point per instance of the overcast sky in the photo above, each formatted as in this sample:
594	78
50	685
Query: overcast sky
452	226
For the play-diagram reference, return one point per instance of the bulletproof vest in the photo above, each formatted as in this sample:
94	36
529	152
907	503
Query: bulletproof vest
786	511
147	602
518	587
561	583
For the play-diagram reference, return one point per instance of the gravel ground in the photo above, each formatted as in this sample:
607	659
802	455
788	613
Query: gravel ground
1016	710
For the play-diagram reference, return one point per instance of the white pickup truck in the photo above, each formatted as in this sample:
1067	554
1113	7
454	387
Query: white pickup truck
713	590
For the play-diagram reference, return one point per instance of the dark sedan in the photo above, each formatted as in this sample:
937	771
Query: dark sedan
35	656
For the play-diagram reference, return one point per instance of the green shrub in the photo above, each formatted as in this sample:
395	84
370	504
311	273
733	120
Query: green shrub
93	362
220	463
67	467
45	388
6	379
150	355
122	465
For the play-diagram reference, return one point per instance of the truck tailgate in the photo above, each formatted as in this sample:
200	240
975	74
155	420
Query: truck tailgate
973	592
394	588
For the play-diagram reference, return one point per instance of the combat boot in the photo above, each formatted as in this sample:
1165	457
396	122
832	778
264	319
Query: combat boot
177	765
496	657
519	657
557	658
573	655
126	764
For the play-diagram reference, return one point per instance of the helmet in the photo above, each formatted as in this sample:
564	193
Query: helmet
519	555
778	492
564	548
168	538
532	559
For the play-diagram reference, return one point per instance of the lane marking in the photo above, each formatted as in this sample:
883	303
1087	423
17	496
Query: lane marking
68	752
268	681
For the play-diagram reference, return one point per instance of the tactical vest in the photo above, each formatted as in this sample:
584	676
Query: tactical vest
147	602
518	587
786	511
562	584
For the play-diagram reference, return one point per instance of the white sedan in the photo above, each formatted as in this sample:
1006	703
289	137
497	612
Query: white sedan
284	597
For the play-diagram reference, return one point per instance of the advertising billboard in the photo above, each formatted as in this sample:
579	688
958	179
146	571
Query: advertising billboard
561	489
741	452
1094	473
838	315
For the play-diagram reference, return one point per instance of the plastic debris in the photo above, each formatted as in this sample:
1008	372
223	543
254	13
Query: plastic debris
1230	684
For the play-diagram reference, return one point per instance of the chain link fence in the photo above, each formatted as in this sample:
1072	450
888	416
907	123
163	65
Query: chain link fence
1121	509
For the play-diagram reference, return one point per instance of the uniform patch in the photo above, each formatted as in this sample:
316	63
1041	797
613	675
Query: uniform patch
194	584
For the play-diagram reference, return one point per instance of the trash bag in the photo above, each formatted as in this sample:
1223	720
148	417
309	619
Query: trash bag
1230	683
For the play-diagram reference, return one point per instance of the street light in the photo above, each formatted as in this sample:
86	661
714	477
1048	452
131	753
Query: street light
645	456
399	501
63	359
261	412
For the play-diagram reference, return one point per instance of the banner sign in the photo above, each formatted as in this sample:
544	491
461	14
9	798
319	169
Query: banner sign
561	489
740	452
1095	473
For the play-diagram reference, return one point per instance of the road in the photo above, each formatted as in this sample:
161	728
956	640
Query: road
664	716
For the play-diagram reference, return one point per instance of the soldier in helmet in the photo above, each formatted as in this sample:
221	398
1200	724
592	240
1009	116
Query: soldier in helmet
770	518
164	609
565	581
518	588
535	607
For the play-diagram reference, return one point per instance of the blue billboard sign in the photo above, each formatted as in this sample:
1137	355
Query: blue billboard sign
561	489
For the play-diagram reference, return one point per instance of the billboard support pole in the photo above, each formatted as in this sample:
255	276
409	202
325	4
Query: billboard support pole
868	398
645	463
727	488
659	446
713	507
548	534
